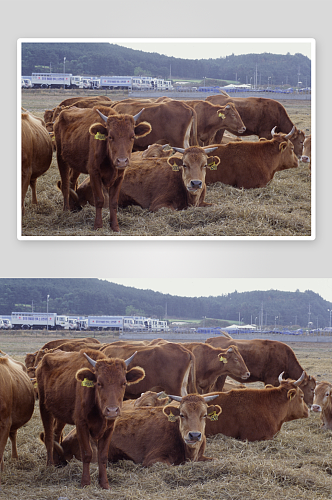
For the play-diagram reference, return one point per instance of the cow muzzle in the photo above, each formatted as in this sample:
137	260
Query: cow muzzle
305	159
194	185
112	412
246	375
193	438
316	408
121	162
241	130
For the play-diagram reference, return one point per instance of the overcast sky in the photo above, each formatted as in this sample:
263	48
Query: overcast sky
204	287
206	48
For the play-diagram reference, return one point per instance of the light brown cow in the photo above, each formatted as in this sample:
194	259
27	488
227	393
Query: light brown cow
172	435
98	144
306	154
85	389
36	154
260	115
172	123
265	360
16	402
258	414
212	117
323	403
252	164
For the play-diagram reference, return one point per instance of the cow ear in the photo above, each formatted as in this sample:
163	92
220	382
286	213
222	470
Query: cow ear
134	375
213	162
86	377
175	163
213	412
291	393
282	146
171	412
262	139
142	129
99	131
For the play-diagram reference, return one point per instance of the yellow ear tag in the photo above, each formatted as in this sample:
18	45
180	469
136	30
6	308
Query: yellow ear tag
100	137
171	417
222	116
35	384
224	360
175	168
213	166
213	416
87	383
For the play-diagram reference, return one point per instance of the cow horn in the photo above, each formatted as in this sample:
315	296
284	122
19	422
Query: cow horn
160	393
298	382
179	150
209	150
102	116
129	360
210	398
273	131
91	361
280	377
290	133
228	106
176	398
230	349
136	117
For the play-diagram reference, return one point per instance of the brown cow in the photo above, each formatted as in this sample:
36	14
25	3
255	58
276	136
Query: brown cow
265	360
90	142
32	359
323	403
252	164
36	153
172	435
260	115
51	114
16	402
306	155
169	368
258	414
85	389
171	123
211	117
175	183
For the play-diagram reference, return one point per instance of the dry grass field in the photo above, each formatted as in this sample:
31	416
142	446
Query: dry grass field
295	465
282	208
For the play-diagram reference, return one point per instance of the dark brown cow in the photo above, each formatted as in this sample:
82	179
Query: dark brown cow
171	123
258	414
175	183
172	435
323	403
36	154
100	145
252	164
169	368
85	389
69	346
265	360
16	402
51	114
211	117
260	115
212	362
32	359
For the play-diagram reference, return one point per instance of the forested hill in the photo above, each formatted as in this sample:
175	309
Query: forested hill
97	59
89	296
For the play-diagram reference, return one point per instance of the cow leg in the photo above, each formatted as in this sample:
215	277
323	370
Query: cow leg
48	424
83	437
26	176
12	437
219	383
103	445
33	183
4	433
64	173
96	187
58	428
218	136
113	202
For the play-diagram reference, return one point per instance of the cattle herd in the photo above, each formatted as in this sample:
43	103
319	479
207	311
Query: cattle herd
157	153
153	401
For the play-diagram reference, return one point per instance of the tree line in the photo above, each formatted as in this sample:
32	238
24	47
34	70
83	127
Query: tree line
90	296
97	59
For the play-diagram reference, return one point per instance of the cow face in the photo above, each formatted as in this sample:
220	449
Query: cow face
231	119
306	153
308	387
287	156
296	407
193	166
234	362
191	416
322	397
118	132
109	378
151	398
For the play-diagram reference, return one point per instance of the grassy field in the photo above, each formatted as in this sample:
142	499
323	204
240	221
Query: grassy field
295	465
282	208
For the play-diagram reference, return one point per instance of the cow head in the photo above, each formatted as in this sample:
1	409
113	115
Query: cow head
297	407
191	415
118	133
234	362
109	377
306	153
287	156
297	137
193	166
231	119
158	151
322	397
151	398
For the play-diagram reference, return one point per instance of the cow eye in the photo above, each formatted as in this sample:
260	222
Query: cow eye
181	415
